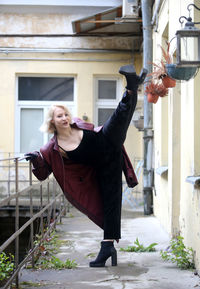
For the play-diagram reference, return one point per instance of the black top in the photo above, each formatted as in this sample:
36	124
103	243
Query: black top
90	149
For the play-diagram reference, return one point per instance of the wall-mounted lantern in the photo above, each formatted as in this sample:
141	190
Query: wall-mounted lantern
187	50
188	42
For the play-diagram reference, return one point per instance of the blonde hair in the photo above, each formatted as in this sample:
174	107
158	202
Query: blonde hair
47	125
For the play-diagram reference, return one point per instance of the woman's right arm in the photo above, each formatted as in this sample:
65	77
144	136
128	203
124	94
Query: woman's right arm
41	168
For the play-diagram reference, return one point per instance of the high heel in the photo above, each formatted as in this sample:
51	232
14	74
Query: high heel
113	257
107	250
133	80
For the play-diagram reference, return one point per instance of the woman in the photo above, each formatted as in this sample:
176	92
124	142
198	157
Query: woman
88	164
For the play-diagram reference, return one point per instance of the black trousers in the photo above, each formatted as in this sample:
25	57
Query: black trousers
110	175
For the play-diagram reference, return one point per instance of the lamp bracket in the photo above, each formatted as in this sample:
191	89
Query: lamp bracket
189	22
188	19
188	7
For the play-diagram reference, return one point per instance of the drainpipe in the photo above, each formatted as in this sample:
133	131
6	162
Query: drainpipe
155	13
148	176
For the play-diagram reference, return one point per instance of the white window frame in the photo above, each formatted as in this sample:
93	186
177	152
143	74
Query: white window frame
106	103
72	105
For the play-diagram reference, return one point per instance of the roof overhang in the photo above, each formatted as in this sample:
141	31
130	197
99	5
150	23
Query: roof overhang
108	23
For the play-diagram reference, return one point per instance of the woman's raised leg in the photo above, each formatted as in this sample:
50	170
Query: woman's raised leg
116	126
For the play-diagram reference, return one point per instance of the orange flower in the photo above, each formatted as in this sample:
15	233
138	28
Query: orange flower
156	89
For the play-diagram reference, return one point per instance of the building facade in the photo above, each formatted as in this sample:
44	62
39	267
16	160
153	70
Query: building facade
176	137
51	53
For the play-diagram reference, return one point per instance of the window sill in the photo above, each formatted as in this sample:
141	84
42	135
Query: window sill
162	170
194	180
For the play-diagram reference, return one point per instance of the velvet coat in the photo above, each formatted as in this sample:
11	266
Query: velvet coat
78	181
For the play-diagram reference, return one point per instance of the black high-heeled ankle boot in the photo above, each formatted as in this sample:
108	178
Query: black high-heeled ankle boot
107	250
132	79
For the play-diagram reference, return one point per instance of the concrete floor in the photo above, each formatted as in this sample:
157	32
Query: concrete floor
134	270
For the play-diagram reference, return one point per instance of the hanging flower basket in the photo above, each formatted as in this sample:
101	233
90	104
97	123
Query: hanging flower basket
168	81
159	69
154	90
181	73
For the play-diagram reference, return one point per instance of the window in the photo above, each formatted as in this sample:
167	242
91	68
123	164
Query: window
107	89
46	88
107	96
30	137
104	114
35	95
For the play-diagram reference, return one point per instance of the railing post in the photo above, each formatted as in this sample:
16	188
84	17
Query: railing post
31	214
49	209
54	204
9	175
16	222
41	206
60	206
64	201
56	195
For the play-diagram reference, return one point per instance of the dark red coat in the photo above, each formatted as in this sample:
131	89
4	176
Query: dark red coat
78	181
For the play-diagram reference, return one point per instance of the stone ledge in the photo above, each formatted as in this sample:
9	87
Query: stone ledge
162	170
194	180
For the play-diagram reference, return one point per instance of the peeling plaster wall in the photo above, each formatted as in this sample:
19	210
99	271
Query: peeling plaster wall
68	42
83	66
34	24
177	202
53	24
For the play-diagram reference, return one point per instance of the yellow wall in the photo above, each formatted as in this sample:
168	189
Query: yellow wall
83	66
177	142
78	57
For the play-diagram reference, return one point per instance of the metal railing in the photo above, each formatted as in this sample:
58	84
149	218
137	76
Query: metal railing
53	207
7	169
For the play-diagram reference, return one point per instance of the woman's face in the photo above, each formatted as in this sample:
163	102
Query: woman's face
61	119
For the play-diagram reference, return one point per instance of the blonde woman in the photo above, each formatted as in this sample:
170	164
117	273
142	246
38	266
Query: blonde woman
88	163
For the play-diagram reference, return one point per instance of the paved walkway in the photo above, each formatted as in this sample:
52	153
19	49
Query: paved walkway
134	270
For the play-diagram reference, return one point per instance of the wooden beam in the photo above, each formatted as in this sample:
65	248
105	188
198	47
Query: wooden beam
97	21
78	27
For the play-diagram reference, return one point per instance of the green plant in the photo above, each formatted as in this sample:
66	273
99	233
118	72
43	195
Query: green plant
52	262
29	284
44	257
91	255
159	69
179	254
160	72
6	266
139	247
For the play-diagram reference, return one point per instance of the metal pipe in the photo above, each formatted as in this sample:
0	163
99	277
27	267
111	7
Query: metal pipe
8	50
13	196
30	254
56	198
82	34
41	206
16	221
31	213
22	228
64	59
148	109
54	195
157	8
50	209
9	174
